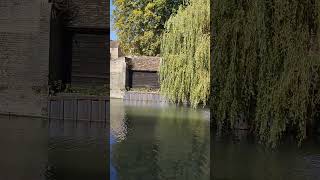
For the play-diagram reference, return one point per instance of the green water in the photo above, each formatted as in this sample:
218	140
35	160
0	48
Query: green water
38	149
159	142
238	157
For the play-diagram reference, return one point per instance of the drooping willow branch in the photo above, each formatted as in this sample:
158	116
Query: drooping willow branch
266	68
185	51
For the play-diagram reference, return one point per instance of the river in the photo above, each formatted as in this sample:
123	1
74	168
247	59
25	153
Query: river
159	142
38	149
238	157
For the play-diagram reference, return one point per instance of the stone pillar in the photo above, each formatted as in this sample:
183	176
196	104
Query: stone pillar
118	77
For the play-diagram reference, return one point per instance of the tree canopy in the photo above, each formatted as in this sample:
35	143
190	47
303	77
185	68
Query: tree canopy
266	66
185	51
139	24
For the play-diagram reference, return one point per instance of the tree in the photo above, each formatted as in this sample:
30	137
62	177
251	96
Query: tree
266	66
185	51
139	24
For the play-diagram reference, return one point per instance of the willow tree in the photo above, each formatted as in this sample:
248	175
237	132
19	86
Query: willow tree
266	66
185	51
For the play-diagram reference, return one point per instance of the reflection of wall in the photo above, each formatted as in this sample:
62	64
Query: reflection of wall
117	117
24	145
78	150
135	157
24	56
188	158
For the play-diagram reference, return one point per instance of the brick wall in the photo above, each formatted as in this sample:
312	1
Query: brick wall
91	13
24	56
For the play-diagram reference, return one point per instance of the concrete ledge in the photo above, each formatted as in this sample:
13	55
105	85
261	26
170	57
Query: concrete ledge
117	94
23	115
144	96
73	96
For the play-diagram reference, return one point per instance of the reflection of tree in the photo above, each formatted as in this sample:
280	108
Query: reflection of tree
135	158
237	157
184	145
162	144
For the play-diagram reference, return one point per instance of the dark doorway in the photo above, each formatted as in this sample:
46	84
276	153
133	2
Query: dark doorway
90	66
60	53
79	56
143	79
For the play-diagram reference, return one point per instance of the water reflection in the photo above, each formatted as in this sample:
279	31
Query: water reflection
113	172
159	142
78	150
23	153
236	157
34	149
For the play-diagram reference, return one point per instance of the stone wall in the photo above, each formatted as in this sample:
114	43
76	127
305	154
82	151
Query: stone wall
24	56
118	77
115	53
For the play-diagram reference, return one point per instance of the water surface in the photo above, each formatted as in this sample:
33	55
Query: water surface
36	149
236	157
159	142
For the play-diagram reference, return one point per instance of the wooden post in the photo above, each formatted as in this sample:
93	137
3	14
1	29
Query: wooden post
76	110
62	109
90	113
49	110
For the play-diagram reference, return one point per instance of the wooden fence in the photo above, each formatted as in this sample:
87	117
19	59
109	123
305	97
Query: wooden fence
79	108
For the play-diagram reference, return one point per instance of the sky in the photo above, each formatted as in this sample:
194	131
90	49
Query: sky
113	35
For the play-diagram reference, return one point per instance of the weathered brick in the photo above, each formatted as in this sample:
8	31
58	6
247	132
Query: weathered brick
24	56
91	13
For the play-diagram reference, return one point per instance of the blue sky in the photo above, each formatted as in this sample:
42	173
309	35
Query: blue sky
113	35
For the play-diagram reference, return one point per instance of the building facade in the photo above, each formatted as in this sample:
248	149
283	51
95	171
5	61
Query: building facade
80	44
24	56
136	72
143	72
38	46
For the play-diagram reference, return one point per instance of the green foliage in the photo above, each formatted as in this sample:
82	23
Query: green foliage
266	66
93	90
139	24
55	86
185	51
59	87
